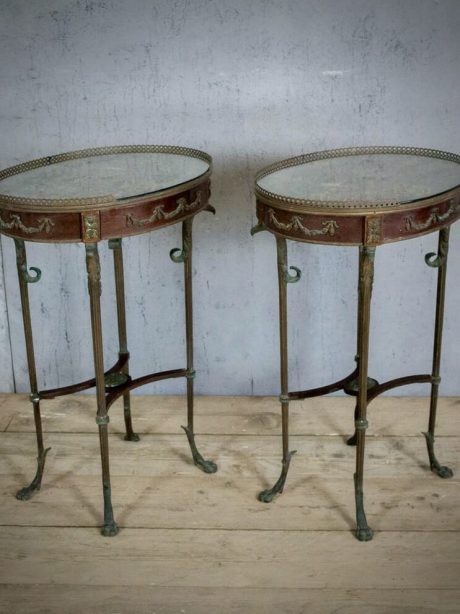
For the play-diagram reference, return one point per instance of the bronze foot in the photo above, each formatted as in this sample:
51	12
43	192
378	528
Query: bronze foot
25	493
130	434
266	496
351	441
436	467
363	532
208	466
110	528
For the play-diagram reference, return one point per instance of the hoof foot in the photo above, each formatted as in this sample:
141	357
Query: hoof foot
24	494
109	530
132	437
208	466
351	441
266	496
364	534
442	471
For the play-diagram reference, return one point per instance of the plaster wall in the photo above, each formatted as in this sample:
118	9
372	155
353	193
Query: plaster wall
250	82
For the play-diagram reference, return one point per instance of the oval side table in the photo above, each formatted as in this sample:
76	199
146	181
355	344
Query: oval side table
105	194
365	196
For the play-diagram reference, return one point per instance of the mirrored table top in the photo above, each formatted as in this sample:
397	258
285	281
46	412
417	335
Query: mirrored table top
119	172
362	176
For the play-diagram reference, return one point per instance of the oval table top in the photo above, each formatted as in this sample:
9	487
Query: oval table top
332	196
109	191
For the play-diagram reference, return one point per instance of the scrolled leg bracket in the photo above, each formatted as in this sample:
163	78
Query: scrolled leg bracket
292	279
259	227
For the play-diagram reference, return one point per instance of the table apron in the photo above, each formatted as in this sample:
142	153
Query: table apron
369	228
89	226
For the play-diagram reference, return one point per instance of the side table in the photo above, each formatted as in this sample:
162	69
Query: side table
105	194
365	196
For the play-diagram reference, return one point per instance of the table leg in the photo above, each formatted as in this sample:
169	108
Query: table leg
25	278
284	277
116	246
351	441
366	266
185	256
102	419
441	263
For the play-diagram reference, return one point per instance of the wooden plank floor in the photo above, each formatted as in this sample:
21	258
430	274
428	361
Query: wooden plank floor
194	543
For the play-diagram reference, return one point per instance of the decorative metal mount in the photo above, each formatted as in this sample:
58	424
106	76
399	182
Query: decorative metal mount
90	226
93	267
158	213
100	420
436	467
16	223
210	209
373	230
208	466
267	496
434	218
361	424
328	226
25	493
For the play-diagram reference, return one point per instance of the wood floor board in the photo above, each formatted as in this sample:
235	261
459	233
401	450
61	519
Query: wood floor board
194	501
81	599
388	416
248	456
191	543
287	559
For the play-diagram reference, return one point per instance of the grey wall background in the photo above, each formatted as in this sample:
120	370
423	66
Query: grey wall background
250	82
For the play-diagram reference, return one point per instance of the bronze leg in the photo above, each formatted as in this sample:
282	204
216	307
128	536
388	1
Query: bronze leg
351	441
441	263
116	246
185	256
102	419
284	277
366	256
24	278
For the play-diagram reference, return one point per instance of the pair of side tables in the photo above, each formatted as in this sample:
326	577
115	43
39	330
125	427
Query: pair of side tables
364	196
